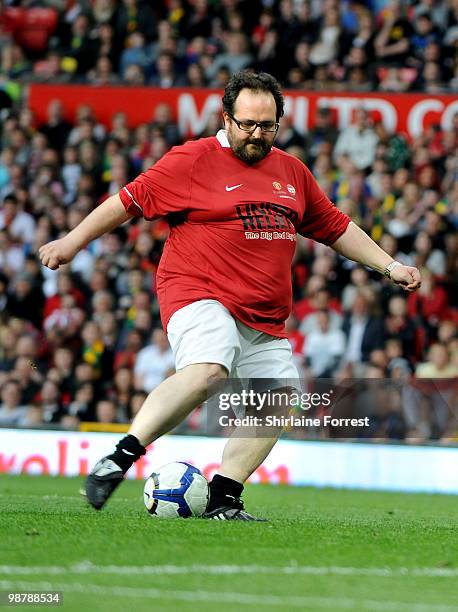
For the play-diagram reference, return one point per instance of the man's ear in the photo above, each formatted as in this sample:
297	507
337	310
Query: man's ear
226	120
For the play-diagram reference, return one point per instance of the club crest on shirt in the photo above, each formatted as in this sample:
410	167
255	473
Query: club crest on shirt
280	191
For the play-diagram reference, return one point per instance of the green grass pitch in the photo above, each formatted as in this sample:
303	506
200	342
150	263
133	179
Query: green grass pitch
321	550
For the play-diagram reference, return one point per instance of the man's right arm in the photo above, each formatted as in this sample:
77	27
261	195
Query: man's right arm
106	217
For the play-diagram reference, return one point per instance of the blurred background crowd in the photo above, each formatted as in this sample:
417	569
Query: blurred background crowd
318	44
85	343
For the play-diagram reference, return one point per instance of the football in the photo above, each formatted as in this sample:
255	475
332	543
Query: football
177	490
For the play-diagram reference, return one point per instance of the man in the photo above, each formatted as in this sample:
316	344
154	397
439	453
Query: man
358	140
324	347
20	224
364	332
234	204
12	412
154	362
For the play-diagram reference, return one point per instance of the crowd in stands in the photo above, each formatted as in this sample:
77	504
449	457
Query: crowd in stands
390	45
85	344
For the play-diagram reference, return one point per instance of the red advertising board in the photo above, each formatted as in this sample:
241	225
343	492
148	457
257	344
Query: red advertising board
406	113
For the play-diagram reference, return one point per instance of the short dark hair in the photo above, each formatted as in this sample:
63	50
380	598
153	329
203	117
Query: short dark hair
10	198
256	81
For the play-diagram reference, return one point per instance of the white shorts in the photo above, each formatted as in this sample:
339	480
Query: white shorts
206	332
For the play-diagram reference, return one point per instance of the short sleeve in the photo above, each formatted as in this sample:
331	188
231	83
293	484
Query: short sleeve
164	188
322	220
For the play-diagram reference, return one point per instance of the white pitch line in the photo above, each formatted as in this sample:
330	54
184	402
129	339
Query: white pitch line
86	567
282	602
65	497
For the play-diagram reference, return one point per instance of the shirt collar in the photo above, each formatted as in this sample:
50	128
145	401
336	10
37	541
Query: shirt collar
221	137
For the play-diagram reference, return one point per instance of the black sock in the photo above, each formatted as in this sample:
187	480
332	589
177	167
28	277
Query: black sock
223	492
128	450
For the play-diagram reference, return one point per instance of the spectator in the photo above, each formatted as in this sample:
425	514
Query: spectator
431	79
136	402
132	15
288	136
65	286
214	124
79	48
424	255
154	362
94	351
20	224
33	417
26	300
235	58
431	303
364	36
71	173
324	131
67	318
392	44
447	332
162	121
195	76
312	320
324	347
29	378
26	346
137	53
126	357
12	412
391	80
107	412
122	390
425	33
8	341
166	73
56	129
359	278
102	74
11	254
63	363
82	407
358	141
326	47
363	331
105	44
135	76
438	364
400	327
199	22
52	408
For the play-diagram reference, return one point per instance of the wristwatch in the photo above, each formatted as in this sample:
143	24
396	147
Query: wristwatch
389	268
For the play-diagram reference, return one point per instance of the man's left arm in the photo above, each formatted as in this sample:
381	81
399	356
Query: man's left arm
355	244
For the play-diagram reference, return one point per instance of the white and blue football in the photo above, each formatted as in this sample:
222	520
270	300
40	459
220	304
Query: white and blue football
177	489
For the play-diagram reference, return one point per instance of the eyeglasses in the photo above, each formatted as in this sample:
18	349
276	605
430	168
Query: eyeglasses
250	126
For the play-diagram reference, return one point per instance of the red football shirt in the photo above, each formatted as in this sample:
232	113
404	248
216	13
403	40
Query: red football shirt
233	228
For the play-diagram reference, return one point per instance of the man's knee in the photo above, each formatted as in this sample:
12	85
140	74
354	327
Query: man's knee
205	376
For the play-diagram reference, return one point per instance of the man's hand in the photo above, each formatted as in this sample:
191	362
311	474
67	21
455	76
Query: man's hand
56	253
407	277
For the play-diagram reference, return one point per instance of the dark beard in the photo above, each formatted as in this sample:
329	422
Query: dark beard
240	150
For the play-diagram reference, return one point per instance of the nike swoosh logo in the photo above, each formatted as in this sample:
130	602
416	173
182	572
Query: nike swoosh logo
127	452
233	187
